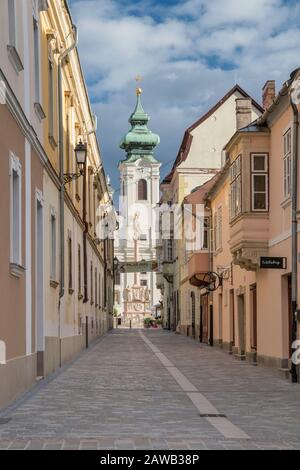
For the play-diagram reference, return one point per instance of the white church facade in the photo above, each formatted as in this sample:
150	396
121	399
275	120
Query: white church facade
136	295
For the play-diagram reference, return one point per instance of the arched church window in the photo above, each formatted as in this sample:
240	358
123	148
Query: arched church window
142	190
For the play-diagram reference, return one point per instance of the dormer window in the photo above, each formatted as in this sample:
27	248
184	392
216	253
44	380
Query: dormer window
142	190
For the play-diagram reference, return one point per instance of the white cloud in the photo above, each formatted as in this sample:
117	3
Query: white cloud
185	53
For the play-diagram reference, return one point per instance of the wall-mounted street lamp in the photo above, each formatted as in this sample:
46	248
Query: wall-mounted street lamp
80	153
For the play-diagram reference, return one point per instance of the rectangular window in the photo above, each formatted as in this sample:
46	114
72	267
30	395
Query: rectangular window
100	300
92	284
70	263
235	188
51	97
143	282
12	23
96	290
16	210
53	246
205	233
79	269
287	144
259	182
36	61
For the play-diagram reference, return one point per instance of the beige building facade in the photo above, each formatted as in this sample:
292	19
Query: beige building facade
244	283
56	261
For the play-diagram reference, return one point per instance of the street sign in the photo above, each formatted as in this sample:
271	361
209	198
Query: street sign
273	262
137	267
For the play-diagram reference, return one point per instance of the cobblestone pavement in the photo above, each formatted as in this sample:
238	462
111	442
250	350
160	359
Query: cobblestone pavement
146	390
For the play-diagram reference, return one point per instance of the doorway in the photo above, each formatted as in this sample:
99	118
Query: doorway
241	324
220	319
232	319
39	286
193	306
203	337
253	320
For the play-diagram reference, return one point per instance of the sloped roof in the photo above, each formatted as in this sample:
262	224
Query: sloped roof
187	138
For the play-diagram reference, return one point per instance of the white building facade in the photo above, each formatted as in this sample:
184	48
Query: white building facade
136	295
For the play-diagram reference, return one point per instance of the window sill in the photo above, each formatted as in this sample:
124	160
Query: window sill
39	111
16	270
286	202
54	283
15	59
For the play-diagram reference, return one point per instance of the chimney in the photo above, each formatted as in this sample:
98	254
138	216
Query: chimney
243	112
268	93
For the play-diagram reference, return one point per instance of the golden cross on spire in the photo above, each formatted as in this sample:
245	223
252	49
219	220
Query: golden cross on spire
138	79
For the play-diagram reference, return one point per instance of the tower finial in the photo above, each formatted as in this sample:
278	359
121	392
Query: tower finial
138	79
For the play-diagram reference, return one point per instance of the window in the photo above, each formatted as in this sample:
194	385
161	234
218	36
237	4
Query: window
15	210
92	284
235	188
143	237
53	245
96	290
259	182
169	250
12	38
142	190
70	264
287	164
51	98
217	228
79	269
143	282
205	233
36	61
99	294
12	22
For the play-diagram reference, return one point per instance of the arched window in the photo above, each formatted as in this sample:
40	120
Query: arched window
142	190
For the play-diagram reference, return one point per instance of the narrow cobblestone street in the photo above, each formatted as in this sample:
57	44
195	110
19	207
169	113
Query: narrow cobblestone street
152	389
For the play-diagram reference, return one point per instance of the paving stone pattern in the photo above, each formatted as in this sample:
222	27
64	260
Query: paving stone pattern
119	395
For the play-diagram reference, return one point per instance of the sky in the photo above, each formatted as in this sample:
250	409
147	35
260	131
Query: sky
189	53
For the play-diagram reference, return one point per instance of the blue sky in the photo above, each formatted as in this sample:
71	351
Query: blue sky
189	52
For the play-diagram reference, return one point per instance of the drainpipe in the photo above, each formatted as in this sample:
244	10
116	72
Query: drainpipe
61	59
294	375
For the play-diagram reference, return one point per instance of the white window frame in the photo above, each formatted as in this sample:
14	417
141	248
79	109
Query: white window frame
15	168
264	173
287	161
235	183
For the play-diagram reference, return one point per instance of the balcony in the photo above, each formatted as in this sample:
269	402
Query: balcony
167	270
198	266
249	239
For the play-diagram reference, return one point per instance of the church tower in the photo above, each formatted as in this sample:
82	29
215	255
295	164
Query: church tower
136	294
